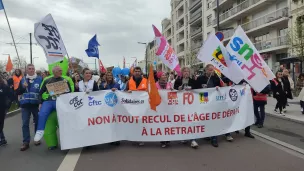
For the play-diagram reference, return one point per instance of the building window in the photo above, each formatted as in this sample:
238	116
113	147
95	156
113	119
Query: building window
227	9
283	32
209	20
261	38
209	4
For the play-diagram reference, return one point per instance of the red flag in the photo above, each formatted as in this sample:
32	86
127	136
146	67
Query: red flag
9	65
219	74
101	67
124	63
154	97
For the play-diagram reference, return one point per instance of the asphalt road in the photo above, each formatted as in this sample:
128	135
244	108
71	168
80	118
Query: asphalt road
244	154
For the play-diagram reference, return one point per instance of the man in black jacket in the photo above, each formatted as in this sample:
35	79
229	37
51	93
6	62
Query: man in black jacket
211	80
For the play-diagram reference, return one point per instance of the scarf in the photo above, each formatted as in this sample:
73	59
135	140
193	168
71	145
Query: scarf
31	78
86	87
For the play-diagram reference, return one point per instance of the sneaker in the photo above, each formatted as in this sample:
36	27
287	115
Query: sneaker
276	111
214	143
38	136
284	110
249	135
260	126
163	145
24	147
141	144
37	143
302	110
194	144
229	138
3	143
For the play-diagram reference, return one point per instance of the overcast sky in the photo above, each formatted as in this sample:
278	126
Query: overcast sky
119	25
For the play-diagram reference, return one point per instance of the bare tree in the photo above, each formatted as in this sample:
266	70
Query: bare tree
192	61
19	64
296	38
2	66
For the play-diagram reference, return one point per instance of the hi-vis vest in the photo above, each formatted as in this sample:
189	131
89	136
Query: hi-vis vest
32	91
142	86
16	81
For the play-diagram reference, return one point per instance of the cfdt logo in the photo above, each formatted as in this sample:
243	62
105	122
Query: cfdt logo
188	97
233	95
221	98
111	99
93	102
172	98
203	96
76	102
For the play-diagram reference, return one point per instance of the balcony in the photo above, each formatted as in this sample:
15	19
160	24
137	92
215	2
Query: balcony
278	15
220	3
246	6
194	4
196	31
178	3
196	46
196	15
272	44
272	19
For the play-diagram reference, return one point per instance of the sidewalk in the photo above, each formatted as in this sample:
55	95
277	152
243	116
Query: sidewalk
293	110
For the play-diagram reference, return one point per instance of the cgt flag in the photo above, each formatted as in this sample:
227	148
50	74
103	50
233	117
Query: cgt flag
101	67
93	50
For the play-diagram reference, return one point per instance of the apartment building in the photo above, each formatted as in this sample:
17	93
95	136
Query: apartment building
266	22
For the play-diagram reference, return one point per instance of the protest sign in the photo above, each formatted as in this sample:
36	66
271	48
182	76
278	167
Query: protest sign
215	53
248	61
57	88
48	37
105	116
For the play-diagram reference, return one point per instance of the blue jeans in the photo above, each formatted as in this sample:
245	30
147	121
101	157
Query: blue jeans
46	108
26	115
260	116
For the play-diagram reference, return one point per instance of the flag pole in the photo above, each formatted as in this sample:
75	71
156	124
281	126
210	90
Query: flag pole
9	26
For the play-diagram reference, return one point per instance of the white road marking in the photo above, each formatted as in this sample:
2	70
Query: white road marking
291	149
70	160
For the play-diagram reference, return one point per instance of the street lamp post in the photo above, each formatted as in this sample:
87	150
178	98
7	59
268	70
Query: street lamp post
146	56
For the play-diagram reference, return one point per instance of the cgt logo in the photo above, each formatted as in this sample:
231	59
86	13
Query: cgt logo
203	96
172	98
93	102
76	102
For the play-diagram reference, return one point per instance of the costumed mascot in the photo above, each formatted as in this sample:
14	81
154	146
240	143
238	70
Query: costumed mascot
48	123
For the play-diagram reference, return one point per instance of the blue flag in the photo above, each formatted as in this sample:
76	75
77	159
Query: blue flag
92	50
1	5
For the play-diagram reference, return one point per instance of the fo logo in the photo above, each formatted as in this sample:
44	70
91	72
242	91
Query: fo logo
76	102
233	95
111	99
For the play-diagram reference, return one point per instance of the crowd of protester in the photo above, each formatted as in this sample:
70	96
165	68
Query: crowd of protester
17	85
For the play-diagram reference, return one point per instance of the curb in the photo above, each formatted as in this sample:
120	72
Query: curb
13	112
285	118
278	142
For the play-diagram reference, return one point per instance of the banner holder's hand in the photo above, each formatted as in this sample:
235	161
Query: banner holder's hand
217	88
114	89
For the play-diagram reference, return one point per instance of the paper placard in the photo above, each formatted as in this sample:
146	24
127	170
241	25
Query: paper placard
57	88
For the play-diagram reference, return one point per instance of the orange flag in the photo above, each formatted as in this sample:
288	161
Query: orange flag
154	97
9	65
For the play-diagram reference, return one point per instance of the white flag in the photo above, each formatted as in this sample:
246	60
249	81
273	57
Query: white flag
48	37
243	53
214	52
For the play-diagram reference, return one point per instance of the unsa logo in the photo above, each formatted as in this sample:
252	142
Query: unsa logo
76	102
233	95
111	99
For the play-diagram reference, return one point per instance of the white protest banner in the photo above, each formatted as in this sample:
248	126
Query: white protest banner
165	52
245	56
214	52
106	116
48	37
